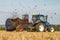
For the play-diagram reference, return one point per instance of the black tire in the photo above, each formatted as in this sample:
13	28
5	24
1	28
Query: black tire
40	27
51	29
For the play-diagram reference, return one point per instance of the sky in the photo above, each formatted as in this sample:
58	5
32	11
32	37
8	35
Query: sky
46	7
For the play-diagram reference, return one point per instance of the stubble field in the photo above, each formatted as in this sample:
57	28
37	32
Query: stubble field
4	35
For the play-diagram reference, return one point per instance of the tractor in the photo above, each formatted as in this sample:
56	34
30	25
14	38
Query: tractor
39	24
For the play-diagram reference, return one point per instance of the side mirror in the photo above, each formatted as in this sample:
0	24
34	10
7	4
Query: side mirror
46	17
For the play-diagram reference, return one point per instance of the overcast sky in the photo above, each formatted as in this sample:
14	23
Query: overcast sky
46	7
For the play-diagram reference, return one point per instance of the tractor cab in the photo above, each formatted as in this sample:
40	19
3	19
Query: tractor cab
39	18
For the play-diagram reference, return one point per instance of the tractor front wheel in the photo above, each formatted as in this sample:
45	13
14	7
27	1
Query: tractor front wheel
51	29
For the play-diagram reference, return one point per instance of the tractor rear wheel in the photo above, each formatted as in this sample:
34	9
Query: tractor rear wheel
40	27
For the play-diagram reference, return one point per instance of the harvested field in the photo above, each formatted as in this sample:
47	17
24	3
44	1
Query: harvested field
29	35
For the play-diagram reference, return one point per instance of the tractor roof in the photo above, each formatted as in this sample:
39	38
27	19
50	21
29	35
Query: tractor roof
38	15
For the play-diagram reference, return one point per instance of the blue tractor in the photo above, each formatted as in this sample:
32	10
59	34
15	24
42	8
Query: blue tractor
41	24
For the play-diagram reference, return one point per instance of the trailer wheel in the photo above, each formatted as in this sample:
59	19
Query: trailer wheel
51	29
40	27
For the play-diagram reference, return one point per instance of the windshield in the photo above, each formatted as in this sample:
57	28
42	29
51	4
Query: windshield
43	19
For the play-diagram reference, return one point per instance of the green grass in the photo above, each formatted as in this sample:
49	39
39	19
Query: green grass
3	28
57	28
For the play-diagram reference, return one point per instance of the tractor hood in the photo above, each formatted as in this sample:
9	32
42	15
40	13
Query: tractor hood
47	23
